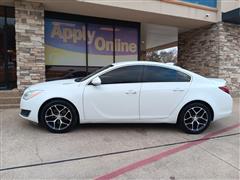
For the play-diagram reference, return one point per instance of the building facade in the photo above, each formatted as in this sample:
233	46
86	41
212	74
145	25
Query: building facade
45	40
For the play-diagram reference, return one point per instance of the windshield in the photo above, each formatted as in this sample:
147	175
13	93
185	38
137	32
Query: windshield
92	74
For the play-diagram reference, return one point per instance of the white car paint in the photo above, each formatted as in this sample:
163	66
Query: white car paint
112	103
167	97
131	103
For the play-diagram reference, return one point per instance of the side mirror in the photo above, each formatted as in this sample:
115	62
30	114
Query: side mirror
96	81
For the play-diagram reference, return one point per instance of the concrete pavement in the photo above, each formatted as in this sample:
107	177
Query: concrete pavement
24	143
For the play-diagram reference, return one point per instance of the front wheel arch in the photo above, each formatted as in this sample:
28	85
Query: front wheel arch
53	99
197	101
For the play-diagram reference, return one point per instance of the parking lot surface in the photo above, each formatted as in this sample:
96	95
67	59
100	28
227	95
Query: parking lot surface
121	151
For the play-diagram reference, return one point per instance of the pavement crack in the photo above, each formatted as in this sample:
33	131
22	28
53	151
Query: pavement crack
217	157
37	153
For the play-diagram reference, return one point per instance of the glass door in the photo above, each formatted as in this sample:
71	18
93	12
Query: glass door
3	84
11	75
7	48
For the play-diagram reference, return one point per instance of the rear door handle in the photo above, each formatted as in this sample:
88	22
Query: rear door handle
178	90
131	92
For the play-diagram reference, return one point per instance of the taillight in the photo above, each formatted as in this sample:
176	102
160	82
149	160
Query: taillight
225	89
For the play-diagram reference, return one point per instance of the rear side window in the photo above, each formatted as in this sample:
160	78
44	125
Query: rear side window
161	74
128	74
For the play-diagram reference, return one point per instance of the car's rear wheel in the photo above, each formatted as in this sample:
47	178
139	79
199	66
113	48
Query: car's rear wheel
58	116
194	118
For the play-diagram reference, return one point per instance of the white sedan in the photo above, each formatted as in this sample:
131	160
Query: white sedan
129	92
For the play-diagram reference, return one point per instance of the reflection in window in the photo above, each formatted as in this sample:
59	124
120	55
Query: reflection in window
64	72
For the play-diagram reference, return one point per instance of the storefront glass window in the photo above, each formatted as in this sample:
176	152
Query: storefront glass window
100	45
2	17
7	48
10	16
126	44
65	49
78	47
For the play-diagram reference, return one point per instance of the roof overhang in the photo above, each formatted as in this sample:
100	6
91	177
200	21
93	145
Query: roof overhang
232	16
152	11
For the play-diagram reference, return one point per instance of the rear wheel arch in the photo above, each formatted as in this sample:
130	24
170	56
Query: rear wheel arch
197	101
54	99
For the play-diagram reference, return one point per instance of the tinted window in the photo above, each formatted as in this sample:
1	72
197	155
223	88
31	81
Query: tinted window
160	74
130	74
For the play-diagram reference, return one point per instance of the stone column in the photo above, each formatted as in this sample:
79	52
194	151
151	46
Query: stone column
198	50
213	51
29	26
229	55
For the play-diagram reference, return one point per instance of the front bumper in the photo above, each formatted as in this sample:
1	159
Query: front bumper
25	113
29	109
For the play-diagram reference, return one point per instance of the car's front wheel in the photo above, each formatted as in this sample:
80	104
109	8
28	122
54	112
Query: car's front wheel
58	116
194	118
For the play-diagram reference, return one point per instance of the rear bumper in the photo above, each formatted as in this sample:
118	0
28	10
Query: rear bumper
224	108
223	115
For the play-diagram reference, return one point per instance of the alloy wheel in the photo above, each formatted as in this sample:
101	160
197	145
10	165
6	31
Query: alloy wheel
196	119
58	117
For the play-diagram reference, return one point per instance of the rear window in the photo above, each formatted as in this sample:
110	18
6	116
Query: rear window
161	74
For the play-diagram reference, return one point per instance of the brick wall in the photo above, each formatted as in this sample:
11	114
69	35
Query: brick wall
29	43
213	51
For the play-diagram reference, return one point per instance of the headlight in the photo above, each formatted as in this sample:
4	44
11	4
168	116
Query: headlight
30	94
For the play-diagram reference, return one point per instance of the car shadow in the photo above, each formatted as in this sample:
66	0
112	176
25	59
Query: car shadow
107	127
127	126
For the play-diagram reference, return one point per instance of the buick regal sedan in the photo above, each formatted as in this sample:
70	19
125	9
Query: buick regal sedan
129	92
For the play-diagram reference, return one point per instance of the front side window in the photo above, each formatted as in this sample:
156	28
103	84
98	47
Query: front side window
129	74
161	74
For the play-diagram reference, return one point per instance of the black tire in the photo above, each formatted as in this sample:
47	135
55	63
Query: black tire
63	113
194	123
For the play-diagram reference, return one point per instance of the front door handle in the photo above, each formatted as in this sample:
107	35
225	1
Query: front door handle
131	92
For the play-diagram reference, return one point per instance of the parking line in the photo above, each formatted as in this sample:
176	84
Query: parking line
164	154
